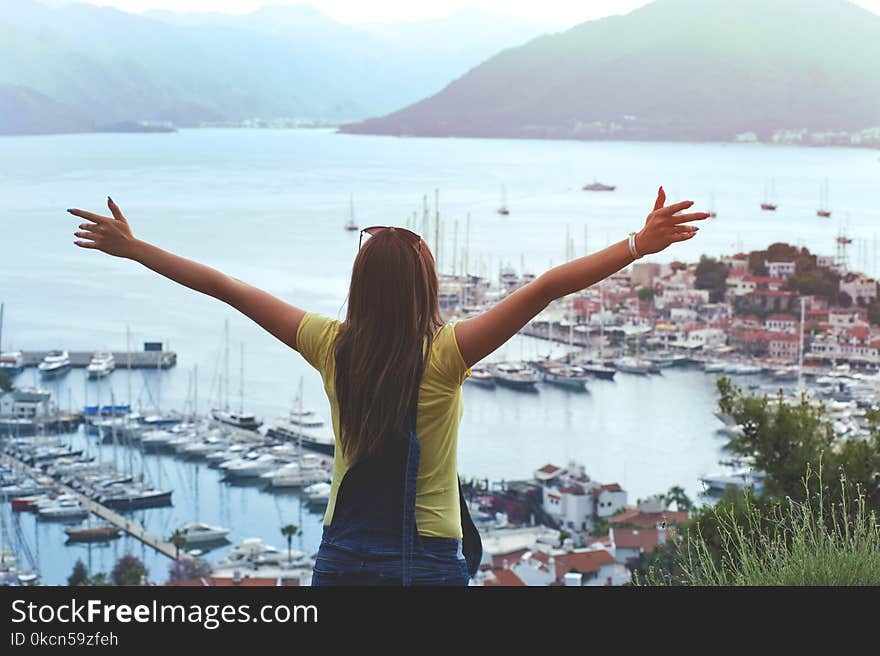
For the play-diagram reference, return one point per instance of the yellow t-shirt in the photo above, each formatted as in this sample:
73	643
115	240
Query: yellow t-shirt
438	416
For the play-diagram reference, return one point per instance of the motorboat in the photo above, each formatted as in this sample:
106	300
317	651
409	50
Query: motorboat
304	427
252	553
303	473
12	362
630	365
249	467
130	497
103	533
515	375
244	420
568	376
318	494
55	363
65	510
100	365
598	186
480	375
201	533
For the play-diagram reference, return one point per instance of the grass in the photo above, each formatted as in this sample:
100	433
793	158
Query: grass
793	544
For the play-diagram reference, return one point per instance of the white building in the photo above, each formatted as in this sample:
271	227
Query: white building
859	288
780	269
26	403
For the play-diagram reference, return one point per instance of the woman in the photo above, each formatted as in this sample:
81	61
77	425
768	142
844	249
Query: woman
393	372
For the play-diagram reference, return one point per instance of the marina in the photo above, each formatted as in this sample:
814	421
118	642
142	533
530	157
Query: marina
122	359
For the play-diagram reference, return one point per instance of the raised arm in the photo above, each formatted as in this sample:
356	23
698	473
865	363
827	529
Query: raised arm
112	235
478	336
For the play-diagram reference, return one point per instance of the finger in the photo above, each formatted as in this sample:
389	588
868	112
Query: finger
86	244
683	230
661	199
114	210
89	216
684	237
675	207
86	234
694	216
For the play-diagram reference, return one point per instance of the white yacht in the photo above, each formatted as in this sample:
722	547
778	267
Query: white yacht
245	420
318	495
249	467
56	363
303	473
253	553
12	362
101	364
63	510
305	426
515	375
199	533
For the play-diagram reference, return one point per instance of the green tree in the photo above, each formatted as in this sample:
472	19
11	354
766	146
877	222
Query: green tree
6	381
128	570
646	293
99	578
712	275
844	300
188	568
874	311
676	495
80	574
288	531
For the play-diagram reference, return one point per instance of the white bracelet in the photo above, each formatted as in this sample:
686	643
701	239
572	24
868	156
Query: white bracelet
632	246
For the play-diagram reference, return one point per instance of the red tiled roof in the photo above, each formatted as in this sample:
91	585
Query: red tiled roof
244	582
649	520
503	577
584	562
859	332
644	539
511	557
763	280
549	469
576	490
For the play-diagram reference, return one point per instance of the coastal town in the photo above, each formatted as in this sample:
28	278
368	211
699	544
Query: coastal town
784	316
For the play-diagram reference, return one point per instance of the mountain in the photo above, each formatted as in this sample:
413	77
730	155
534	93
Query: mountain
112	67
25	111
674	69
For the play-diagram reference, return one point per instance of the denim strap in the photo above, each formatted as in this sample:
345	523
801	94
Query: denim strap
409	507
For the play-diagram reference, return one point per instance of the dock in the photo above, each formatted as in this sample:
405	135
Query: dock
131	527
139	359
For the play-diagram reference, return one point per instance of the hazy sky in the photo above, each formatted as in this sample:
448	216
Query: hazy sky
566	12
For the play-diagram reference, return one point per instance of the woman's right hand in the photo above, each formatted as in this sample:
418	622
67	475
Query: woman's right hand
663	226
108	234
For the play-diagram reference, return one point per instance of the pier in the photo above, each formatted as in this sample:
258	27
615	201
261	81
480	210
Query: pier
139	359
120	521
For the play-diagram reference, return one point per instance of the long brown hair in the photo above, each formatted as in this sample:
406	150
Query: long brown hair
393	313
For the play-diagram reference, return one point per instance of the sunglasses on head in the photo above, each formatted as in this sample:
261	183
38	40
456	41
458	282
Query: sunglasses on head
409	234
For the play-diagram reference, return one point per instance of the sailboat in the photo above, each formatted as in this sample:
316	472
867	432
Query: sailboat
768	205
823	210
240	419
351	226
503	210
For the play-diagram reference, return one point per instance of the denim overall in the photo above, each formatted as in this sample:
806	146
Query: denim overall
373	539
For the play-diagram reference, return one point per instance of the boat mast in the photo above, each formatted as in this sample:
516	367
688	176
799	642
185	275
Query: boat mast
241	383
467	245
801	349
1	327
299	430
195	391
128	356
437	228
226	365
